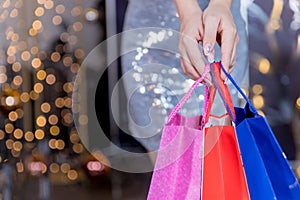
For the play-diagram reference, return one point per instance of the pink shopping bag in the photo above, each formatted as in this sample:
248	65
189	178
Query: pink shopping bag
177	172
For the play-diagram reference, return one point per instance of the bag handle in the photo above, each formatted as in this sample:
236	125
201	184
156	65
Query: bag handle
188	95
251	107
218	84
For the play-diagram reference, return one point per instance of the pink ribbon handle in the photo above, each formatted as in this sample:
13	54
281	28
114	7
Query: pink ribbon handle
189	93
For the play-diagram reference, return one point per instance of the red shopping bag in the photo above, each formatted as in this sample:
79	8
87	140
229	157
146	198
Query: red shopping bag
223	172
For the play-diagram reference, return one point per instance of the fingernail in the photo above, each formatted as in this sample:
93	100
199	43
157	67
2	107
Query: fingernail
207	49
211	58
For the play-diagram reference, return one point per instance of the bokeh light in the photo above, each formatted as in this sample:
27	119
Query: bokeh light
264	66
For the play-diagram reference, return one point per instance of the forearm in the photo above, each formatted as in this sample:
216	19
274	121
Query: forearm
186	7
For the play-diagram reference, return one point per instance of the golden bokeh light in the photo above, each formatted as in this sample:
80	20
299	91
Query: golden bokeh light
68	118
76	11
44	168
59	102
3	78
72	175
39	134
54	130
24	97
20	113
57	20
264	66
41	75
41	1
9	143
41	121
77	26
20	167
11	59
13	116
2	69
68	102
60	9
18	80
65	167
14	13
2	134
50	79
9	128
75	68
39	11
15	153
15	37
74	138
18	133
54	168
258	101
32	32
38	87
49	4
34	50
37	25
298	103
55	56
25	55
64	37
36	63
11	50
29	136
67	60
257	89
45	107
68	87
60	144
51	143
53	119
34	95
16	67
77	148
6	4
79	54
17	146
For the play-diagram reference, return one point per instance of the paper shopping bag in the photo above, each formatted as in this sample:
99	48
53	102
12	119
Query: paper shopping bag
223	172
177	171
269	175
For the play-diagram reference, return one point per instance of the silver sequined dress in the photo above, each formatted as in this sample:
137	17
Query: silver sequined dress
152	76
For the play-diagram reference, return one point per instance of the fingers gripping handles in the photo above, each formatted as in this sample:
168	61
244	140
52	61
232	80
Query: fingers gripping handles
218	84
221	87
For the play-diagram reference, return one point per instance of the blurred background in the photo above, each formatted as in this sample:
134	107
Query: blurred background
42	46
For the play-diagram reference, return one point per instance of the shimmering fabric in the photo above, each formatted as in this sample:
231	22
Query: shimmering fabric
157	75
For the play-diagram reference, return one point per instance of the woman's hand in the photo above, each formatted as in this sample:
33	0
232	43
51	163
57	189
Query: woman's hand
191	30
219	27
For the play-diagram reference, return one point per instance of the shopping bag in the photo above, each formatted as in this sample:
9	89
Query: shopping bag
177	171
223	172
268	173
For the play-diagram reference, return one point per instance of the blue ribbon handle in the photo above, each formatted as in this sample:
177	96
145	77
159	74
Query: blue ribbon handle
251	107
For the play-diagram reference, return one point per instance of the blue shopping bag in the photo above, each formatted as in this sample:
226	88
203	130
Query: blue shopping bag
268	173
